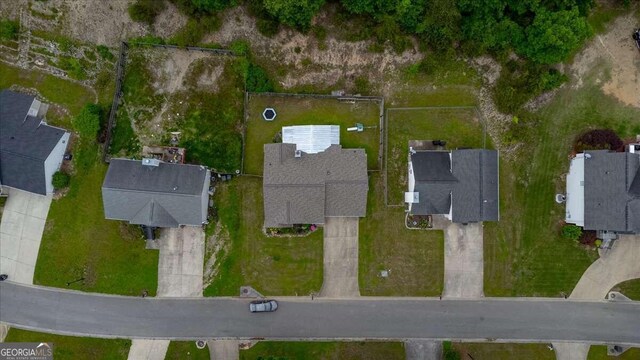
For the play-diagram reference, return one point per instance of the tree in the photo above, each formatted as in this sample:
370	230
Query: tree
87	123
60	180
295	13
554	35
9	29
571	232
599	139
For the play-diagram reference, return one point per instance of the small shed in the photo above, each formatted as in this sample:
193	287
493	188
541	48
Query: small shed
311	139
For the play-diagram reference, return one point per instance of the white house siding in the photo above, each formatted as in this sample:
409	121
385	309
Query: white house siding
575	192
54	160
205	196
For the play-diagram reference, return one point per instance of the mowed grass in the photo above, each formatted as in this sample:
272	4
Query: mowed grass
325	351
271	265
491	351
459	127
630	288
78	242
75	348
599	352
524	252
415	257
187	350
309	111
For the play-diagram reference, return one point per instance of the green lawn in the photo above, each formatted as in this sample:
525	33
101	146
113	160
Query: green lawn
524	254
458	127
599	352
272	265
324	351
490	351
187	350
79	243
75	348
309	111
630	288
415	257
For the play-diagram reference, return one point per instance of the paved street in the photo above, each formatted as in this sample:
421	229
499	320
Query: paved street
504	320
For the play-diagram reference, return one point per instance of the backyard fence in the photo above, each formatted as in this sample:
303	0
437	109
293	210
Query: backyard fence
111	123
190	48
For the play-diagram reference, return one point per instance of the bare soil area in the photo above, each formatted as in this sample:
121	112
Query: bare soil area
616	48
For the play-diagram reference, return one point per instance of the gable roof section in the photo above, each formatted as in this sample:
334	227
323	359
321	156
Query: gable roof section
612	196
464	182
25	143
306	189
166	195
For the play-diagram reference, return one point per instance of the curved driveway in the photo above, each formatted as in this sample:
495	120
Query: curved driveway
519	320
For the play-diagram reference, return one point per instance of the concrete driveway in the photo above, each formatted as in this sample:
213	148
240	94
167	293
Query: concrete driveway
180	266
340	257
23	221
463	261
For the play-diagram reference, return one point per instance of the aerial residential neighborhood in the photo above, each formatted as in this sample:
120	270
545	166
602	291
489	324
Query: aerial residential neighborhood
348	179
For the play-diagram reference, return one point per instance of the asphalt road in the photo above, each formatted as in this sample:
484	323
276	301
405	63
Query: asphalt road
504	320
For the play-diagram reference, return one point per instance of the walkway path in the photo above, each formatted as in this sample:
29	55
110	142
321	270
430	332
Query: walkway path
615	266
23	220
340	257
180	269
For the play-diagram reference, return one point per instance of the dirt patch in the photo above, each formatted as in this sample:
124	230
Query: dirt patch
217	242
338	64
171	67
617	49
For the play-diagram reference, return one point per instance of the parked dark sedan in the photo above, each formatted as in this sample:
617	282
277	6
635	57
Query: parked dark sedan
263	306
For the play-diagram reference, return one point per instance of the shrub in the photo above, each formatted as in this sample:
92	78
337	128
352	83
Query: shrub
60	180
571	232
258	79
588	237
195	29
599	139
448	352
146	10
87	123
362	85
240	47
9	29
105	53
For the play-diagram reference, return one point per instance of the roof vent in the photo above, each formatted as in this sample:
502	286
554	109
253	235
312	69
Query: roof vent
151	162
298	153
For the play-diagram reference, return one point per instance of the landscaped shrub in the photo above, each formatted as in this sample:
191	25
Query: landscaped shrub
571	232
588	237
146	10
60	180
9	29
599	139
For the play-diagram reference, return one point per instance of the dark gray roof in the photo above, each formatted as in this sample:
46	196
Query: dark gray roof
306	189
167	195
25	143
463	181
611	191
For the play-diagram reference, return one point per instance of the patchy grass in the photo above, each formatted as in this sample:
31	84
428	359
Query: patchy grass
309	111
630	288
71	95
415	257
79	243
71	348
458	127
272	265
524	252
504	351
599	352
199	95
324	350
186	350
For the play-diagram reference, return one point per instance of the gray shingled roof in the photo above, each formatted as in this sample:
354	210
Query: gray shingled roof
465	181
307	189
167	195
25	143
612	191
